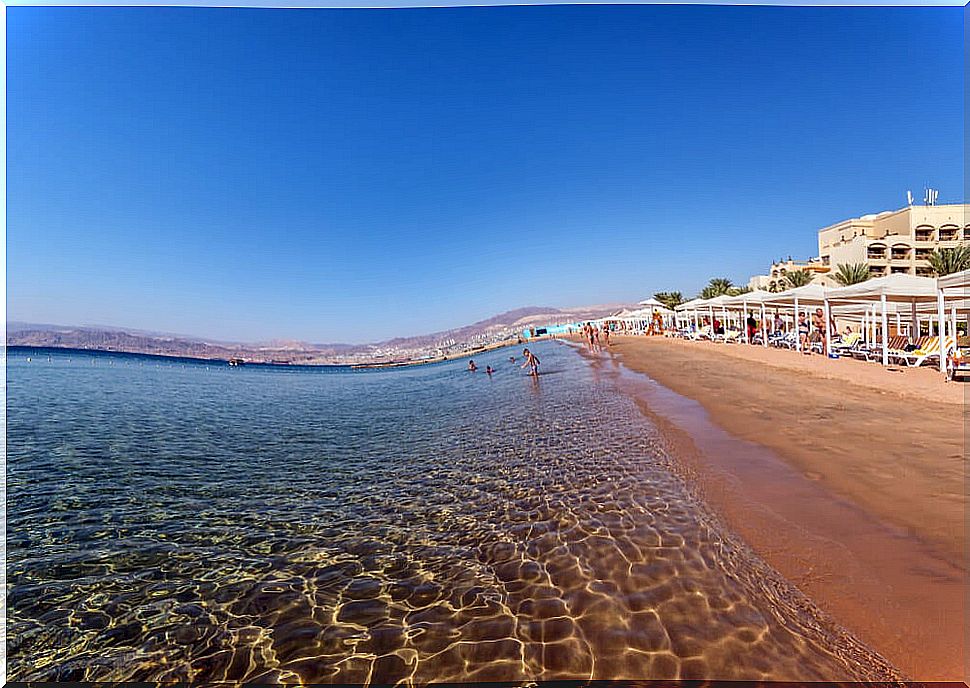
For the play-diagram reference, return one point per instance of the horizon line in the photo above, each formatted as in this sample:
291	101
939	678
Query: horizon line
453	4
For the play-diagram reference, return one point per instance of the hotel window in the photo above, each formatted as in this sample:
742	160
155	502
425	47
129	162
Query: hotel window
900	270
901	252
924	271
876	252
923	253
925	233
966	233
877	270
949	233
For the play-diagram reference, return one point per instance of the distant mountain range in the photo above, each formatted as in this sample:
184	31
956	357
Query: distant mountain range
104	338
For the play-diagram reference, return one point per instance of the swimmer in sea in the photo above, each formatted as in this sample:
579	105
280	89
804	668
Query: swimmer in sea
532	362
472	367
488	369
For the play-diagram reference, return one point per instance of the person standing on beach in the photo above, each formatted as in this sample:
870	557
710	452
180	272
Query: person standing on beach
606	335
752	327
803	330
532	362
818	322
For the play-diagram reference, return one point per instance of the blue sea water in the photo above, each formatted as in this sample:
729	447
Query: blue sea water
183	520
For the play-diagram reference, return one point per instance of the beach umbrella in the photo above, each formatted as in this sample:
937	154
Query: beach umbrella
895	288
810	294
692	306
653	303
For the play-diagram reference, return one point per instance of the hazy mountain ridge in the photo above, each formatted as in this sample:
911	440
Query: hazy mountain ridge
140	341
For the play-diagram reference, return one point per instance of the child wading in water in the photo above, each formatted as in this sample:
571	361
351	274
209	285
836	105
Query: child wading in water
531	361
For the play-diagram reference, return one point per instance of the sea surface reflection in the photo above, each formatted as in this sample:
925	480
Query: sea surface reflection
186	521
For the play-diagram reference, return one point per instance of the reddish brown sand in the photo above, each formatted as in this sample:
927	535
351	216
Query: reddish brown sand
847	478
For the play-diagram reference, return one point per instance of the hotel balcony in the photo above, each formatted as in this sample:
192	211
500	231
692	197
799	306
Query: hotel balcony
949	233
923	253
901	270
925	234
925	271
877	270
876	253
901	253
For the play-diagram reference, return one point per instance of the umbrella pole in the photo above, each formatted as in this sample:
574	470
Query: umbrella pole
941	312
885	331
764	328
747	335
828	329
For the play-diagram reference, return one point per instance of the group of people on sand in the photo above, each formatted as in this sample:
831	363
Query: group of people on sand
531	362
595	335
810	331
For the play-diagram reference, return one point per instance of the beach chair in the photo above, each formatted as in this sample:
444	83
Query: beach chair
730	336
931	350
895	345
958	363
703	333
844	345
787	341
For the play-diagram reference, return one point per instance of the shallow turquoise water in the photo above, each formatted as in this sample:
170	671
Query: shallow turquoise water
180	520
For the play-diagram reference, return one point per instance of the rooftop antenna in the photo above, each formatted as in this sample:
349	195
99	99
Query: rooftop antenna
909	198
929	198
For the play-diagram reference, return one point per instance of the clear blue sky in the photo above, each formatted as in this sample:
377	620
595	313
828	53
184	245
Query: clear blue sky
351	175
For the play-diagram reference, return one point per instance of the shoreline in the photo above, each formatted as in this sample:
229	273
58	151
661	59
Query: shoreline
272	364
860	519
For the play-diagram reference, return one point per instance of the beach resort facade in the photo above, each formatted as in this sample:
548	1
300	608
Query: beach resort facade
775	279
896	241
890	242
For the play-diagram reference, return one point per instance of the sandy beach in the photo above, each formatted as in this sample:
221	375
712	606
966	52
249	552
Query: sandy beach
847	478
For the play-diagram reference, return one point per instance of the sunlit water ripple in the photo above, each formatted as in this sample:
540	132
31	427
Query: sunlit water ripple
185	521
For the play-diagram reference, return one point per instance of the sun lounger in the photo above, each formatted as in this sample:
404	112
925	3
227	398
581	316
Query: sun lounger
728	336
958	365
931	350
896	345
847	343
703	333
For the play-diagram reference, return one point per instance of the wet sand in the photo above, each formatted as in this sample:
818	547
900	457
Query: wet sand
847	478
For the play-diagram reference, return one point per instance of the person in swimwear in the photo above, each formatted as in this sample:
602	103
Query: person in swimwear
803	331
532	362
472	367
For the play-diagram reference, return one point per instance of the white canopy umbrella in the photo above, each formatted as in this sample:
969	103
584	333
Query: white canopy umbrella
898	288
691	306
651	303
956	288
810	294
956	284
752	298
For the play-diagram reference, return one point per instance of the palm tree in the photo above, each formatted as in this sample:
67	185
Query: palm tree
798	278
946	261
670	299
716	287
737	291
851	273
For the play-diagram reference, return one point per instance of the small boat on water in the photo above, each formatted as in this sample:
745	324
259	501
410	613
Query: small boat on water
236	362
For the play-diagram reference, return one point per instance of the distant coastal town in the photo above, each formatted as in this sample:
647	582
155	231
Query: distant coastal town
920	240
